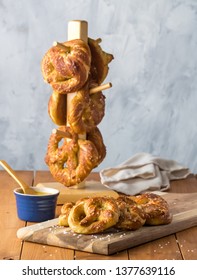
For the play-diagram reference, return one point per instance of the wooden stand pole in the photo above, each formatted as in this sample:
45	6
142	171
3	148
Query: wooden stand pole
77	29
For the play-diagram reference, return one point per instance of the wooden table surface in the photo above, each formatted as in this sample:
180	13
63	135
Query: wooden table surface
179	246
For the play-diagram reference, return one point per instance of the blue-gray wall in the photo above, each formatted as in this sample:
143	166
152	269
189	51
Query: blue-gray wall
152	106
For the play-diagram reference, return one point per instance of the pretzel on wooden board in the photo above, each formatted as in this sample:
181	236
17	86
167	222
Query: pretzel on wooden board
155	207
93	214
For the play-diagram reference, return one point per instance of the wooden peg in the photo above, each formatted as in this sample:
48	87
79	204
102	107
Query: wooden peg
61	46
100	88
64	134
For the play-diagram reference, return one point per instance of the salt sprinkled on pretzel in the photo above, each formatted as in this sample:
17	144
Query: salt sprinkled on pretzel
132	216
155	207
72	161
93	215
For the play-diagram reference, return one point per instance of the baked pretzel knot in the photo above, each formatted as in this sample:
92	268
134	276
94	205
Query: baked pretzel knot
57	108
99	62
75	67
93	215
65	211
86	110
67	70
155	207
72	161
132	216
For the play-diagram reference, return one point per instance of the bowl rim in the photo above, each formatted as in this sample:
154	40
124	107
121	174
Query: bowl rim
49	191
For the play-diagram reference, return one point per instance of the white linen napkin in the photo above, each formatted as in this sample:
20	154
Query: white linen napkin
141	173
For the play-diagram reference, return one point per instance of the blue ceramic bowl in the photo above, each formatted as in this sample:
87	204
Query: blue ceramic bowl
36	208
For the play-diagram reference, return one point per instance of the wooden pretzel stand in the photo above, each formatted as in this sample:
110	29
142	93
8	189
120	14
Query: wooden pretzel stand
78	30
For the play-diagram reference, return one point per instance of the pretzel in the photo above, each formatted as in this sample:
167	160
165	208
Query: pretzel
65	211
132	216
67	70
100	60
72	162
73	69
86	110
93	215
57	106
155	207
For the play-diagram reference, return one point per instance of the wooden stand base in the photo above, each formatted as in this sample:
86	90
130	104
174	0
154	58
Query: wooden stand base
91	188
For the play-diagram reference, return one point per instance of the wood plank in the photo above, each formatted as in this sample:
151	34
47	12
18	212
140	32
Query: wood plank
33	251
79	255
10	246
182	206
187	242
165	248
9	218
43	176
188	185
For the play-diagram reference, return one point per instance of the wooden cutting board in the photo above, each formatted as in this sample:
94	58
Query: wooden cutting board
182	206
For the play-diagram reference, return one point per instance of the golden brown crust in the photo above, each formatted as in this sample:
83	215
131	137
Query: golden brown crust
155	207
95	137
57	108
132	216
93	215
67	71
100	61
86	111
65	211
75	67
73	161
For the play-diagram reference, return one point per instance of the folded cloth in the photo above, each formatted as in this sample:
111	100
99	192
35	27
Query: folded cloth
142	173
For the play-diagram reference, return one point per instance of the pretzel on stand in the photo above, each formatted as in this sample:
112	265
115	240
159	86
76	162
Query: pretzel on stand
76	30
76	70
